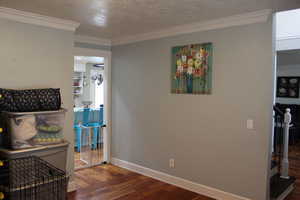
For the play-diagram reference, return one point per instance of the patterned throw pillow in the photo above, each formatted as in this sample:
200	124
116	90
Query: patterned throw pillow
49	99
26	100
30	100
7	101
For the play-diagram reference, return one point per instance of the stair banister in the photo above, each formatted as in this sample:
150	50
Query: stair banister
285	159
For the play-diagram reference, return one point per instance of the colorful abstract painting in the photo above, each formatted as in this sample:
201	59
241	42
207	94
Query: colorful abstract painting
192	69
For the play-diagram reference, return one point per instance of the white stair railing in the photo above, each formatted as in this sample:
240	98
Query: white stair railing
285	159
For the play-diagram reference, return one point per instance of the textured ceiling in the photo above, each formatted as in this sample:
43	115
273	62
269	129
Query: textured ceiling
118	18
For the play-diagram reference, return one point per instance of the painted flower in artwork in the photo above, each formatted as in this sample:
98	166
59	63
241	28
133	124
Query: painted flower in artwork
192	69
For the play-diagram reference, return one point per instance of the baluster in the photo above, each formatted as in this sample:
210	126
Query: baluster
285	159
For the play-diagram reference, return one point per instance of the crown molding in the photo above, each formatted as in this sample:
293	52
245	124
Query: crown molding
288	43
92	40
36	19
289	37
235	20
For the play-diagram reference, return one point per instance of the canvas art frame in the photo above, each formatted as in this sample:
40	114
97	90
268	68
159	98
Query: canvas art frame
191	70
288	86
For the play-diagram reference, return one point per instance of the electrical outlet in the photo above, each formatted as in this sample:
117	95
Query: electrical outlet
172	163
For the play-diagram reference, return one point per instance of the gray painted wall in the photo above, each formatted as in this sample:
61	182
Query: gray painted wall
38	57
205	134
92	46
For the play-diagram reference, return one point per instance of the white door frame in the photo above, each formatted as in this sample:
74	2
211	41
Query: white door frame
107	94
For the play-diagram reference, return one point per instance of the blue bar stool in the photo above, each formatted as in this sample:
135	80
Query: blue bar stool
90	119
101	110
78	132
86	116
95	133
97	127
94	125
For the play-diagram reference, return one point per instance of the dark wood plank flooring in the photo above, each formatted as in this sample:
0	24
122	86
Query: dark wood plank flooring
108	182
294	160
97	157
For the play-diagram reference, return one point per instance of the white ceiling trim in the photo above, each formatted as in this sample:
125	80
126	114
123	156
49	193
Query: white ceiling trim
288	43
289	37
92	40
36	19
235	20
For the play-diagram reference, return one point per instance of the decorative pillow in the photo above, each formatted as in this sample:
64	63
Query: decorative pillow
49	99
30	100
26	100
7	101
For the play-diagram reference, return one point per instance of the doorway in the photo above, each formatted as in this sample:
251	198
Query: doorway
285	170
91	95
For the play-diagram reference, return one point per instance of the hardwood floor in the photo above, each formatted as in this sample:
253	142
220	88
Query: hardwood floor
294	160
108	182
96	156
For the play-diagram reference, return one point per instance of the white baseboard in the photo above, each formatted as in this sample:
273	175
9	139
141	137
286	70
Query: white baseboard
72	186
188	185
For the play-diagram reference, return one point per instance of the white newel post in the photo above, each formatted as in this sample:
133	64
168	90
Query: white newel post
285	159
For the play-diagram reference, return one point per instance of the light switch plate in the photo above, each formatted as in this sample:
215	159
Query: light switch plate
172	163
250	124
